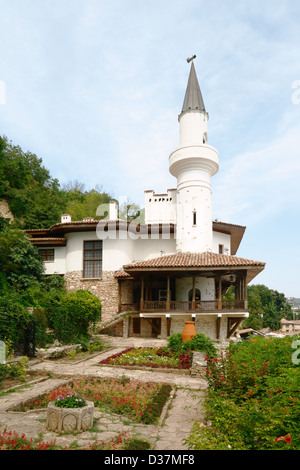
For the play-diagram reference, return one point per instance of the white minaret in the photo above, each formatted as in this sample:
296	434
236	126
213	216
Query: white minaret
193	163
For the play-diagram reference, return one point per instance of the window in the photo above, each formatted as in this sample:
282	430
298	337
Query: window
194	218
221	249
47	254
197	295
92	259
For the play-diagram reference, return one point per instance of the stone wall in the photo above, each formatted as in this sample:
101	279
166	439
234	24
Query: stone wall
106	289
129	299
206	325
199	364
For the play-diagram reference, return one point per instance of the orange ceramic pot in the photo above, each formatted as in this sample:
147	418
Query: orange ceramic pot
189	330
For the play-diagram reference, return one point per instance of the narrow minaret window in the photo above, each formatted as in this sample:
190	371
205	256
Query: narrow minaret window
194	218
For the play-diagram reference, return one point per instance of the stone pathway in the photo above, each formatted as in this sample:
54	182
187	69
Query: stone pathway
186	407
183	408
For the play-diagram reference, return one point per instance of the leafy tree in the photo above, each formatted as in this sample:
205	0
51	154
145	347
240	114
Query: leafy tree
21	265
266	308
34	197
14	318
70	314
85	205
132	212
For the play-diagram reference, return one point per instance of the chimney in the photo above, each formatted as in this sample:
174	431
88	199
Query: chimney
65	218
113	210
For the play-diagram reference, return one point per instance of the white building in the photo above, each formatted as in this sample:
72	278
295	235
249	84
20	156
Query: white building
175	267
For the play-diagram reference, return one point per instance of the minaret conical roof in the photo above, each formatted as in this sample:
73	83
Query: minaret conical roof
193	96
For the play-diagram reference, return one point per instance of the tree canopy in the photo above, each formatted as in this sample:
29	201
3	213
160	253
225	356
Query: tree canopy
266	308
34	197
37	200
21	265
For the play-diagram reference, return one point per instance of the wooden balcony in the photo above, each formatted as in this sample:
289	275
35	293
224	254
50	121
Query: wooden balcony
203	306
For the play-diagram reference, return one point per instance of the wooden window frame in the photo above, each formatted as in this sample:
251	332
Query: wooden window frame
46	256
93	259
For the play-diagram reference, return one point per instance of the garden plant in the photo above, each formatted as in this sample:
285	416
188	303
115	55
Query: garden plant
253	398
149	357
141	402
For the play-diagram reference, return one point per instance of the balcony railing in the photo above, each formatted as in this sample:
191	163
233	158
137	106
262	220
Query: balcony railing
192	307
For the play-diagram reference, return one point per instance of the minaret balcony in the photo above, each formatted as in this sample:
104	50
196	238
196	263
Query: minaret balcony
194	157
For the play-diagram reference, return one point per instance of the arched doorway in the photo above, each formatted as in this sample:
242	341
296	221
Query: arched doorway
197	295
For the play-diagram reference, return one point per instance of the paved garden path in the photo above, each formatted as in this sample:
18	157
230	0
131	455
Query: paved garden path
183	409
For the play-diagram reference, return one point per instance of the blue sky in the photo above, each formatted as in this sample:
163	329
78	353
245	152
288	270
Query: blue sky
94	88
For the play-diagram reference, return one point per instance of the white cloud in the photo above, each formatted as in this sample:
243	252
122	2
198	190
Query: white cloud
258	184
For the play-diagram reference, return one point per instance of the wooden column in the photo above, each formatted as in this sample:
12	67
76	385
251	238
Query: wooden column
218	326
119	296
142	293
168	294
194	294
220	293
245	292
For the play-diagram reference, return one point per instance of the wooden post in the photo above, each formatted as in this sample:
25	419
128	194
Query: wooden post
220	294
194	294
119	296
168	294
142	293
218	325
245	292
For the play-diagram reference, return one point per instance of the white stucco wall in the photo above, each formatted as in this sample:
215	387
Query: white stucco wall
185	284
125	250
58	266
147	249
193	128
160	208
116	252
221	239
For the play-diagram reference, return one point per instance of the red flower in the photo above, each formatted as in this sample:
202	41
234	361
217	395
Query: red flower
286	438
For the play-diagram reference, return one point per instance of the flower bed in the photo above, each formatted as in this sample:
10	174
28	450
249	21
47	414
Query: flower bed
149	357
253	398
142	402
10	440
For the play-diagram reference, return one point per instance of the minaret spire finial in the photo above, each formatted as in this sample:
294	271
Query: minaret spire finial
189	59
193	97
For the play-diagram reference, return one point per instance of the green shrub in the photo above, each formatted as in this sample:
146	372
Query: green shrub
96	345
253	398
70	314
137	444
175	342
14	369
152	414
200	342
14	319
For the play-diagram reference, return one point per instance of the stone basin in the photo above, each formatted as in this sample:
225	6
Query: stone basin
69	419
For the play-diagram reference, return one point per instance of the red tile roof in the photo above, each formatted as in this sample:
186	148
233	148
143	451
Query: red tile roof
194	260
121	275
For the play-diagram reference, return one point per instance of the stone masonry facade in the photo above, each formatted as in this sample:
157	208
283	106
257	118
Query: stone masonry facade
106	289
117	298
